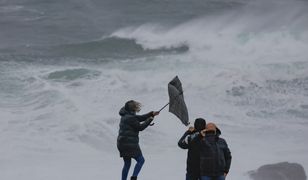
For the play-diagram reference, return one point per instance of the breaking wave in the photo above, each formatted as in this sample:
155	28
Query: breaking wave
72	74
114	47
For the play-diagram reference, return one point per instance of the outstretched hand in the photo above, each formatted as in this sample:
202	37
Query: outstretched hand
191	129
203	132
155	113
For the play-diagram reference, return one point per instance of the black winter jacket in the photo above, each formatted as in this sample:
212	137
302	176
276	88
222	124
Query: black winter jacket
193	154
128	138
215	156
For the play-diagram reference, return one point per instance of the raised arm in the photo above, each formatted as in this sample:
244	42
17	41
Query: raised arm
144	117
135	123
182	142
189	136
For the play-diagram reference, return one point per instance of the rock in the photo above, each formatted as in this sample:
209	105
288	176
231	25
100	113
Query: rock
279	171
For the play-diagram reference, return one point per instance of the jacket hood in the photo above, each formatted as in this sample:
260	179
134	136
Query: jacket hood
212	126
218	132
124	112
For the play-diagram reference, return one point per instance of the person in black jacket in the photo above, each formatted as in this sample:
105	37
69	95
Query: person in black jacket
128	138
215	156
193	154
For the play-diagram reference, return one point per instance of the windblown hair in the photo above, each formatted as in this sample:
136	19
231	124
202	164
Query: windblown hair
133	106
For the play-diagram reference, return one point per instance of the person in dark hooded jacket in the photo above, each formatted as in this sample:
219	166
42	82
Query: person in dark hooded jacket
215	155
193	154
128	138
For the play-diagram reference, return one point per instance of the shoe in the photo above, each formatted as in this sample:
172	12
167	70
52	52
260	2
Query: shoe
133	178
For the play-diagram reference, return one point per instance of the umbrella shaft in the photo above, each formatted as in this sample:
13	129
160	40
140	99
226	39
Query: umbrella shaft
164	107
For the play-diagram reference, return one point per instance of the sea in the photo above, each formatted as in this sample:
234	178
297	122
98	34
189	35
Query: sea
68	66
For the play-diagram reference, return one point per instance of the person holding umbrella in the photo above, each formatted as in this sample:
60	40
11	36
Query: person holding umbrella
128	137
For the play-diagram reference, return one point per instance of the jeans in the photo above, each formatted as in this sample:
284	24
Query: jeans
127	162
212	177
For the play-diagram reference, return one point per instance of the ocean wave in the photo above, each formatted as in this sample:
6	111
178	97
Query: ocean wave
255	32
20	13
277	98
25	94
72	74
9	9
113	47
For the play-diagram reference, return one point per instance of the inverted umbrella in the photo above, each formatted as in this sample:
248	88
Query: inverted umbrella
176	102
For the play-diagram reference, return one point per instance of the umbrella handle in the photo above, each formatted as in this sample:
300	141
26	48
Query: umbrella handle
152	124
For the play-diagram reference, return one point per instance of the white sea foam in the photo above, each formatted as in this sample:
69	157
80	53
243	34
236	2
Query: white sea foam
80	116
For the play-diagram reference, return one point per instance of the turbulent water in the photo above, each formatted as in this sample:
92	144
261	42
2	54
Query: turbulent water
67	67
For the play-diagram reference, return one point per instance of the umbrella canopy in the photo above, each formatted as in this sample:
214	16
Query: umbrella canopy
177	104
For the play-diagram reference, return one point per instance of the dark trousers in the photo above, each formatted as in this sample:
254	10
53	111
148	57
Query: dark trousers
190	176
127	163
